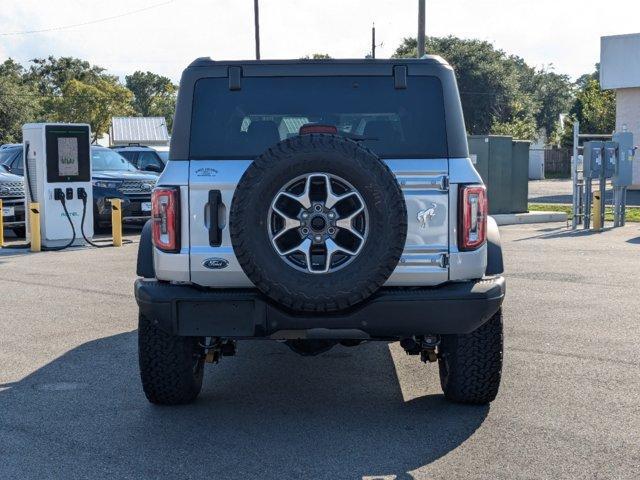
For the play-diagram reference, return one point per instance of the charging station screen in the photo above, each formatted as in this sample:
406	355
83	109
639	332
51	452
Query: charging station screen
68	153
68	156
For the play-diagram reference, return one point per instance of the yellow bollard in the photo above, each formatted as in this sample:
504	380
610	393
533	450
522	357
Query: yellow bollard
116	221
597	208
34	226
1	226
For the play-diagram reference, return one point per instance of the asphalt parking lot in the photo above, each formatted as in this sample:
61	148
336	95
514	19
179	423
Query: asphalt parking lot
71	405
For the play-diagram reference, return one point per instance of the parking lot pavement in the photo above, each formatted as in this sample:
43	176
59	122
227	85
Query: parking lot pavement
560	191
71	405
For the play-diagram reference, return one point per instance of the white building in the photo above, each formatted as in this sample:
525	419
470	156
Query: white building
620	71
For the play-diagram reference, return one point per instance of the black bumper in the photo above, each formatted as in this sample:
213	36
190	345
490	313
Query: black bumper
131	206
18	217
390	313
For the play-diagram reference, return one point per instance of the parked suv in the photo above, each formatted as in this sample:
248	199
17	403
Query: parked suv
12	196
142	157
316	203
113	176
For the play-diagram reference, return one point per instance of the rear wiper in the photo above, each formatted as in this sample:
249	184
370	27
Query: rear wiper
357	137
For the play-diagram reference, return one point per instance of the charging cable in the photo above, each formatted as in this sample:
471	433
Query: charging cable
58	194
82	195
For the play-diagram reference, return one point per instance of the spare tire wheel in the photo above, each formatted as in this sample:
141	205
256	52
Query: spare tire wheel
318	223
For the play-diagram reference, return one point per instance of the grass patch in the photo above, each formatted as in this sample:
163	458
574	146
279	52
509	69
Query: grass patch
633	213
557	176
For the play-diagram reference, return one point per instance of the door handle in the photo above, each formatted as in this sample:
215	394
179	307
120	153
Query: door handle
215	232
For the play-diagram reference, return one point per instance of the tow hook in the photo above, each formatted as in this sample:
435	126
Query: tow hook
216	348
428	350
425	346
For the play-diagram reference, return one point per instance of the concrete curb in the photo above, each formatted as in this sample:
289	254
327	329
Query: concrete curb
531	217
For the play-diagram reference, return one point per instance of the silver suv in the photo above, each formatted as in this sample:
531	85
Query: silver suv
316	203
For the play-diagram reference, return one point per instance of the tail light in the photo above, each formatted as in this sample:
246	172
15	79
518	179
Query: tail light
309	128
165	217
472	217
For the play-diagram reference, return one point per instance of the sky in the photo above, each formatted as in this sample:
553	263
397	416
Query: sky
164	36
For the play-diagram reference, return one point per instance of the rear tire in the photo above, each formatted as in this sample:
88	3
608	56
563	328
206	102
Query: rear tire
471	364
171	367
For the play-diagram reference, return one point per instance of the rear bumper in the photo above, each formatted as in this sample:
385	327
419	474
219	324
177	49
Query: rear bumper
390	313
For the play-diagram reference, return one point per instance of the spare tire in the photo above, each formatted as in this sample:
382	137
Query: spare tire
318	223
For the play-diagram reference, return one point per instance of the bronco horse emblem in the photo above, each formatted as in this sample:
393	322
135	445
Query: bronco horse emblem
425	215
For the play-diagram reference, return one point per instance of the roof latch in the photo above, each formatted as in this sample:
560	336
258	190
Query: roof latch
400	76
235	73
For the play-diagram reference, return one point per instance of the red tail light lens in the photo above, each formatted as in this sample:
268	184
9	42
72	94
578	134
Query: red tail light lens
472	217
308	128
165	217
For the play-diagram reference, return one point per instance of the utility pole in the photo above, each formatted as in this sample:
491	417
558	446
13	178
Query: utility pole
373	41
256	17
421	8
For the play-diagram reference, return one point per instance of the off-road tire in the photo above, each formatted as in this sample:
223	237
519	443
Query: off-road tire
471	364
289	159
171	367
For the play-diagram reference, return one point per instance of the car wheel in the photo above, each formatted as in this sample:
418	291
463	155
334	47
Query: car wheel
471	364
171	367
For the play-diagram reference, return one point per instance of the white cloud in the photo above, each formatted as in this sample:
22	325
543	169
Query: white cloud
165	39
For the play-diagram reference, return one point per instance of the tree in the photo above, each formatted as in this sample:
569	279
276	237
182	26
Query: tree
500	93
12	69
317	56
595	109
555	95
153	95
489	81
50	75
93	103
19	104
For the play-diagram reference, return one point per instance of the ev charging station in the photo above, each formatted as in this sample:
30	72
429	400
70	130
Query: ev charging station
57	166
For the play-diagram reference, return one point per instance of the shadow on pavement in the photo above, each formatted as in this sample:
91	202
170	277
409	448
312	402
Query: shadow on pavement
264	413
562	232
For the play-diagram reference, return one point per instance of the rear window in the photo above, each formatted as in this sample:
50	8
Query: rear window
394	123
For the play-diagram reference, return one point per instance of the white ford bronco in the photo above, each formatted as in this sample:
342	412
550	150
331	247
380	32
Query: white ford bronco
317	203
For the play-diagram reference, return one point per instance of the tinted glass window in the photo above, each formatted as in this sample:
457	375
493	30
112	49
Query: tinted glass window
8	156
108	160
147	158
130	155
243	123
17	165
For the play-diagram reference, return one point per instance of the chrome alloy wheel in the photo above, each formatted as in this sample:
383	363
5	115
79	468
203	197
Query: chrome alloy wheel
318	223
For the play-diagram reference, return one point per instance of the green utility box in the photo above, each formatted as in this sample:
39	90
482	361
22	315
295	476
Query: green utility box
503	164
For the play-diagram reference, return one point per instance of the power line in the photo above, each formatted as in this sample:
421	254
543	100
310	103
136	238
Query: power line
90	22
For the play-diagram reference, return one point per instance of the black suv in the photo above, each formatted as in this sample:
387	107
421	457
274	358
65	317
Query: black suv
142	157
113	176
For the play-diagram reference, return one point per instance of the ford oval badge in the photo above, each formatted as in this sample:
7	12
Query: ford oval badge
215	263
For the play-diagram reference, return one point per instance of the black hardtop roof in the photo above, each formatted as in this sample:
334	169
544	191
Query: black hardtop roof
426	59
400	68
